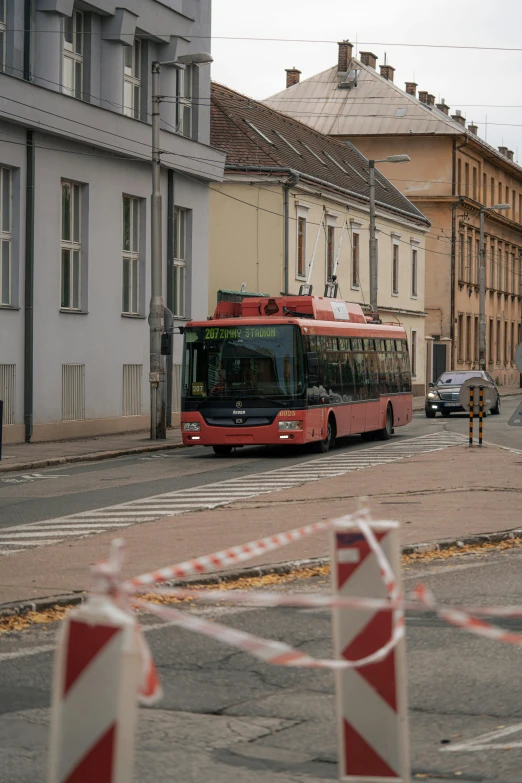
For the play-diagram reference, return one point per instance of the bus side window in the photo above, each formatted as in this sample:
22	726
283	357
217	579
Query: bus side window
360	376
349	391
372	362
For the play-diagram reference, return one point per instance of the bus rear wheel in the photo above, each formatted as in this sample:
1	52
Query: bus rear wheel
323	446
222	451
387	430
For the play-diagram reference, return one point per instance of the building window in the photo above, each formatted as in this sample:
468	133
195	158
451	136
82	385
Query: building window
461	256
506	271
6	263
513	274
132	80
498	342
355	261
499	270
131	259
520	208
492	192
179	262
460	343
490	341
477	261
476	339
72	65
395	268
474	183
468	258
484	188
468	338
301	247
414	271
499	192
413	352
459	177
3	33
507	199
512	343
466	178
505	354
330	252
71	248
513	205
184	92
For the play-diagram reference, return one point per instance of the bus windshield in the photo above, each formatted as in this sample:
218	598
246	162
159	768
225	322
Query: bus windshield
223	362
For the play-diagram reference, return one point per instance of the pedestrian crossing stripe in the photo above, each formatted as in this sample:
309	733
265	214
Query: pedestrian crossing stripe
215	495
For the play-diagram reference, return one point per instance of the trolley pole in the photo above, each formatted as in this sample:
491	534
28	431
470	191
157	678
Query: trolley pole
482	297
374	269
471	406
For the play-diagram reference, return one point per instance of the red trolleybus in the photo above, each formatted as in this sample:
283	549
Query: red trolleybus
292	370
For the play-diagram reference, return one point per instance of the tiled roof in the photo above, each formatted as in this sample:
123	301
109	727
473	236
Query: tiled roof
253	134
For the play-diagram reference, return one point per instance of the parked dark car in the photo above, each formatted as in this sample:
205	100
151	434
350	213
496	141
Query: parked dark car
443	396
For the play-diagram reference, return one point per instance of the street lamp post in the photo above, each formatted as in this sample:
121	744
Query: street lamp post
374	265
482	286
158	426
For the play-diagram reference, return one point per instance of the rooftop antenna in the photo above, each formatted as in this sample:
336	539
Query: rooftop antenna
385	58
356	45
486	129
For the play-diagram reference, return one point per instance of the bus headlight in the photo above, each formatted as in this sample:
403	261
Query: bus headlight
290	425
191	426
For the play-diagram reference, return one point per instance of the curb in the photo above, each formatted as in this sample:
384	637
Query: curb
15	608
95	456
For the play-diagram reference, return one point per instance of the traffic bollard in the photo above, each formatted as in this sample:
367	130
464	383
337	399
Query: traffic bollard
481	412
95	691
471	411
371	700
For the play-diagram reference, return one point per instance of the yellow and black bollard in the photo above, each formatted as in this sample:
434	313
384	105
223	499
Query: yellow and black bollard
471	406
481	412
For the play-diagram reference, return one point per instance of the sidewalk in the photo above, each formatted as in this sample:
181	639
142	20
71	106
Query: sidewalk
447	494
28	456
504	391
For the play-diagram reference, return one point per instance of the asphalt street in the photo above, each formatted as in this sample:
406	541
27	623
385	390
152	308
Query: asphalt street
31	496
227	716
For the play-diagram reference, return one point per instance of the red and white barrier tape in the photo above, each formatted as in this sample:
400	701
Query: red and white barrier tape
228	557
266	650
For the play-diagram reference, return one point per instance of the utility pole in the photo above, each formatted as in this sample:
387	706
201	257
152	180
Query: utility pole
374	262
374	268
158	429
482	296
482	284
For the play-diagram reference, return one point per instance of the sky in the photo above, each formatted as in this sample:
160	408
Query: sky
486	85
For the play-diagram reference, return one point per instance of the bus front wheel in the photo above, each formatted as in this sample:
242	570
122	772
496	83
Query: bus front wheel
222	451
322	446
387	430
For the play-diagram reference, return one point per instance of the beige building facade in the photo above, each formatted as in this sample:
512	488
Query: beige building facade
273	231
452	174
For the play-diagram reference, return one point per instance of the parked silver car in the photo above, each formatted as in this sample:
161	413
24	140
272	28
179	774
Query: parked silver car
443	396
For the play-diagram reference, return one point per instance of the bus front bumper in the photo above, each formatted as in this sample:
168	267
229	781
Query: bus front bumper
269	435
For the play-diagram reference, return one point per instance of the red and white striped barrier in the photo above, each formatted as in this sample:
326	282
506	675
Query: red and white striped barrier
94	704
371	701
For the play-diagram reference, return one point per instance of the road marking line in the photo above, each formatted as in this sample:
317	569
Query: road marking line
486	741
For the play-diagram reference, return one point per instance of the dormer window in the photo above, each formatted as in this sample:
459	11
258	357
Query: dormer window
184	93
132	80
73	48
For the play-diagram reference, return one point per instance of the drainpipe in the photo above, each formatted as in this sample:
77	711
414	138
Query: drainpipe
289	184
29	247
29	289
170	248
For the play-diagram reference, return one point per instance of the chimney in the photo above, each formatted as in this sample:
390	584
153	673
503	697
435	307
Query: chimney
431	100
345	56
510	154
292	76
387	72
459	118
473	128
368	58
503	151
423	96
443	107
411	88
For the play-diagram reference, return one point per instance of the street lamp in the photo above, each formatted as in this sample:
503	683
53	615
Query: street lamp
482	285
373	241
158	427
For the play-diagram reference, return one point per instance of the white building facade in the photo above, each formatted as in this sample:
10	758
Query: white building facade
75	151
